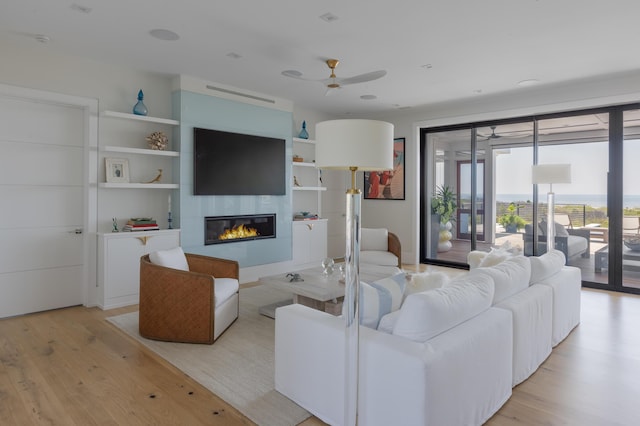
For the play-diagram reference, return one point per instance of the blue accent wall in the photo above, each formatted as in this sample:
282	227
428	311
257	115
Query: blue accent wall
209	112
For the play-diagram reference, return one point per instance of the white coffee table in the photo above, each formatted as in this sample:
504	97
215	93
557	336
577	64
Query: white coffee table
318	291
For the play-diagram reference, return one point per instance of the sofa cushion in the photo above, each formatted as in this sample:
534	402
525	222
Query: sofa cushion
171	258
379	298
374	239
427	314
388	321
509	277
223	289
375	257
546	265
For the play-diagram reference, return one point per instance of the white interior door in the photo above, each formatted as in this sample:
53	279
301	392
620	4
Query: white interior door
43	205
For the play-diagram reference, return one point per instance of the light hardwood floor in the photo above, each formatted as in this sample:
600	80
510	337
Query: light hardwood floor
72	367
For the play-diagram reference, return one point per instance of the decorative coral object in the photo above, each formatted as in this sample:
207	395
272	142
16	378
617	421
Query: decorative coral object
157	141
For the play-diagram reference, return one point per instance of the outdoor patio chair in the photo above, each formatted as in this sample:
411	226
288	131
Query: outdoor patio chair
572	242
563	219
630	226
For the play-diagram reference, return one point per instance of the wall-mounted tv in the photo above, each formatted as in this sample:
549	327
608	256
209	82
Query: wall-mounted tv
237	164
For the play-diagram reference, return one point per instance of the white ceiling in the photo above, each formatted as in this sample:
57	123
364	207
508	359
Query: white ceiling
473	48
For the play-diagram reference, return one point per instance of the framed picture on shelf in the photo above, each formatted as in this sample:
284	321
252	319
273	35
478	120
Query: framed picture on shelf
387	185
117	170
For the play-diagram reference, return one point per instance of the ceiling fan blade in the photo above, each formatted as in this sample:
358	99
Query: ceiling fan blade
362	78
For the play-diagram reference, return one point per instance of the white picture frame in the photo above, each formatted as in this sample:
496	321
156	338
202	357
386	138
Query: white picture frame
117	170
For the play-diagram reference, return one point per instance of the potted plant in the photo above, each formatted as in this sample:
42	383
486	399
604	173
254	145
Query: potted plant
444	205
510	220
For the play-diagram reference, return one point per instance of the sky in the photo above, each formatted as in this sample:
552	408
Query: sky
589	166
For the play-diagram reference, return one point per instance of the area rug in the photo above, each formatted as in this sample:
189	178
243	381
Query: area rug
239	366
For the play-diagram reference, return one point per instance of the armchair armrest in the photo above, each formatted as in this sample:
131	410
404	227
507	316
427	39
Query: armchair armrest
584	233
394	246
214	266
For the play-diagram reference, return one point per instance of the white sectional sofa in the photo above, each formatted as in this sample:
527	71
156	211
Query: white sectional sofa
448	356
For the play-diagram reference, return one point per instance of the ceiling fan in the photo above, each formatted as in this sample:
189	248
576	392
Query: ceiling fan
492	135
514	134
334	82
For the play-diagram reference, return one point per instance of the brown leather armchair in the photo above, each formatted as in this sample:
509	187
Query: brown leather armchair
186	306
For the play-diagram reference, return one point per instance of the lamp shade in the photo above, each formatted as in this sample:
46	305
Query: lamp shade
551	173
365	144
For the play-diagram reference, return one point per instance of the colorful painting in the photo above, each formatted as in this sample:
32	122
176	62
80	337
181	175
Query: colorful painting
387	185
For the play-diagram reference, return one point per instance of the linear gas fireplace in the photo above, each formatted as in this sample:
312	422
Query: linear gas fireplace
229	229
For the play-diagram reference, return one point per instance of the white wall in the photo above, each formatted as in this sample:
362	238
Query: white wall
26	63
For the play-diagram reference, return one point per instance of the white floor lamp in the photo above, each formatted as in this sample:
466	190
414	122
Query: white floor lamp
551	173
353	145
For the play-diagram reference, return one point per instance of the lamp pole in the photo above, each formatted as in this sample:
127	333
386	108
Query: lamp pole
352	296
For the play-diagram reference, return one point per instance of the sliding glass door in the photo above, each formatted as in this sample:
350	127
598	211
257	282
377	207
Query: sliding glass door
630	215
488	166
580	212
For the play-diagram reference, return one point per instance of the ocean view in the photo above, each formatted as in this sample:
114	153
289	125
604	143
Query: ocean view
593	200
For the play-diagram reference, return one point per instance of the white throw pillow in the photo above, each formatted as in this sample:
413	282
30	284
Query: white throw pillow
474	258
425	281
546	265
172	258
561	231
494	258
379	298
374	239
509	277
427	314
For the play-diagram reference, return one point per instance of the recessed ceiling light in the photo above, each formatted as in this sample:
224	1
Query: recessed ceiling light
329	17
292	73
528	82
426	66
162	34
42	38
368	97
80	8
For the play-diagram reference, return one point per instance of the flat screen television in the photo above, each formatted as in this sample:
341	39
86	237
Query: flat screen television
237	164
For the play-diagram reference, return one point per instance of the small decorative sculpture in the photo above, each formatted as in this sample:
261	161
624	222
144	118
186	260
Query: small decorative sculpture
295	181
294	278
157	178
157	141
115	225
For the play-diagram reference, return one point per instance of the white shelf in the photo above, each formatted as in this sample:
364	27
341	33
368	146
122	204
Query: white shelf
129	234
298	140
301	164
141	151
309	188
139	185
146	118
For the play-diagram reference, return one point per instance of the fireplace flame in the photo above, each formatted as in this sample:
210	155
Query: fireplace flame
239	231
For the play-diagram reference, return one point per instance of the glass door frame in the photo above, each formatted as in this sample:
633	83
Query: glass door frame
614	184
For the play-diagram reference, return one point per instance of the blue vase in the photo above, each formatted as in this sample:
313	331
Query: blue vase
303	133
140	108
